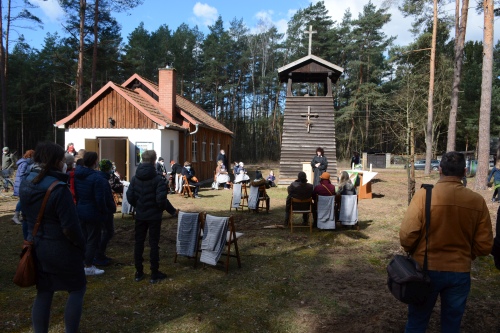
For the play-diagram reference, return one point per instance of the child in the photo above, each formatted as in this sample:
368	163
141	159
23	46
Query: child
270	179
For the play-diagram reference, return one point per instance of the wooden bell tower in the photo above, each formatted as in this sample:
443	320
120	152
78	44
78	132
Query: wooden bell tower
309	120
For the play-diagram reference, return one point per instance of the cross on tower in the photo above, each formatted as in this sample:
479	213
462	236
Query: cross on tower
310	32
309	115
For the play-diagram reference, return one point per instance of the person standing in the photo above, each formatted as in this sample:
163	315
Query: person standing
176	177
108	224
148	194
495	174
59	243
90	188
23	168
319	164
222	157
460	230
160	169
7	165
299	189
70	149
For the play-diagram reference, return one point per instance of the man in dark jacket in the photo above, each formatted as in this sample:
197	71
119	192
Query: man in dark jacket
222	157
160	169
148	194
299	189
175	183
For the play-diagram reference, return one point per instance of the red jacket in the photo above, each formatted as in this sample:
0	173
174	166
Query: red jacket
321	190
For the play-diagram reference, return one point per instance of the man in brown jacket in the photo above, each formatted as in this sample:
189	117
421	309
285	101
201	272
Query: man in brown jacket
460	230
299	189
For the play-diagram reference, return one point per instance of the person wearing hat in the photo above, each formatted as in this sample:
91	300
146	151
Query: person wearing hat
7	165
299	189
324	188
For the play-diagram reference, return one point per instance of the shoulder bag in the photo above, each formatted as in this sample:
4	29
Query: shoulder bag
406	280
26	270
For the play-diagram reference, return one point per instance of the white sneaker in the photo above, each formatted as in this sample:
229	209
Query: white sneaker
92	270
15	218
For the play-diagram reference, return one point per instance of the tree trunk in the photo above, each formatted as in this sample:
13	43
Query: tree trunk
79	71
3	84
430	102
94	51
485	108
460	29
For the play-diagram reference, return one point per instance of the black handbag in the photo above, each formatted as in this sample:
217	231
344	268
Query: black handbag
406	280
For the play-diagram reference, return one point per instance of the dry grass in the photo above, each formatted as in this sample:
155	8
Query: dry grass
324	282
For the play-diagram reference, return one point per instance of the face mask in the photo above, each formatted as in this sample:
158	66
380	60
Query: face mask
64	168
188	167
161	162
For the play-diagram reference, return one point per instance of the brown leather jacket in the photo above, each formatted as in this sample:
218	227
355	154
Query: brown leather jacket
460	227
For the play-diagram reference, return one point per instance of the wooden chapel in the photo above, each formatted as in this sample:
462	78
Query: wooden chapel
309	119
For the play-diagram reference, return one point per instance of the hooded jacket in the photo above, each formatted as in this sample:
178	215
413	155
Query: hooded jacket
91	191
147	192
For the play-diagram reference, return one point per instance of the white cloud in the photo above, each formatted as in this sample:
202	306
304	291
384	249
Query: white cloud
266	18
205	13
399	26
51	9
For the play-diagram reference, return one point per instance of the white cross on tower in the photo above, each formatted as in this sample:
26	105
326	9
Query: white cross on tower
310	32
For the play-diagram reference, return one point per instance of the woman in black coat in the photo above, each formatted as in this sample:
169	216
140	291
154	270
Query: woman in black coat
319	164
59	243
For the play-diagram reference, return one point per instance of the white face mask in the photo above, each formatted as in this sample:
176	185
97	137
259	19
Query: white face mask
188	167
64	168
161	162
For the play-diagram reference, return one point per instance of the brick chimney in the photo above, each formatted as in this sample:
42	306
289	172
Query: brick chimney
166	86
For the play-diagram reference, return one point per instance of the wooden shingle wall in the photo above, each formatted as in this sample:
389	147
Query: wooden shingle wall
298	145
112	105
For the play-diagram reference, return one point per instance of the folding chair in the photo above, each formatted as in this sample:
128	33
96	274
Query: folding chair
201	223
244	197
186	188
263	199
231	240
298	206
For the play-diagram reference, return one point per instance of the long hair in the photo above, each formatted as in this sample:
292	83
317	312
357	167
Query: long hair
320	150
48	155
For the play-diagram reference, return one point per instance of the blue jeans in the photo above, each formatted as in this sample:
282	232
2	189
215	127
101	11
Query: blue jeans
453	287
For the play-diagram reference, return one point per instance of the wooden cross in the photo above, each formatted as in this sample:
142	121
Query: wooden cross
310	32
309	115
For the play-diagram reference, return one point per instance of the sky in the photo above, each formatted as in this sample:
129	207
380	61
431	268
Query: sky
154	13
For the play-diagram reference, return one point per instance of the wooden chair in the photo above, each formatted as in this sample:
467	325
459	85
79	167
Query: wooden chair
201	223
244	197
232	240
186	188
293	210
263	199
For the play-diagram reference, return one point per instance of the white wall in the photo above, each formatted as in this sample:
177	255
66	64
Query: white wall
159	138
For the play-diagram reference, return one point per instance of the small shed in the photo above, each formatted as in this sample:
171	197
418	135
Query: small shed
119	122
309	120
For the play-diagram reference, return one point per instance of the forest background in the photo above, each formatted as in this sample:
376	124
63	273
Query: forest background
232	73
